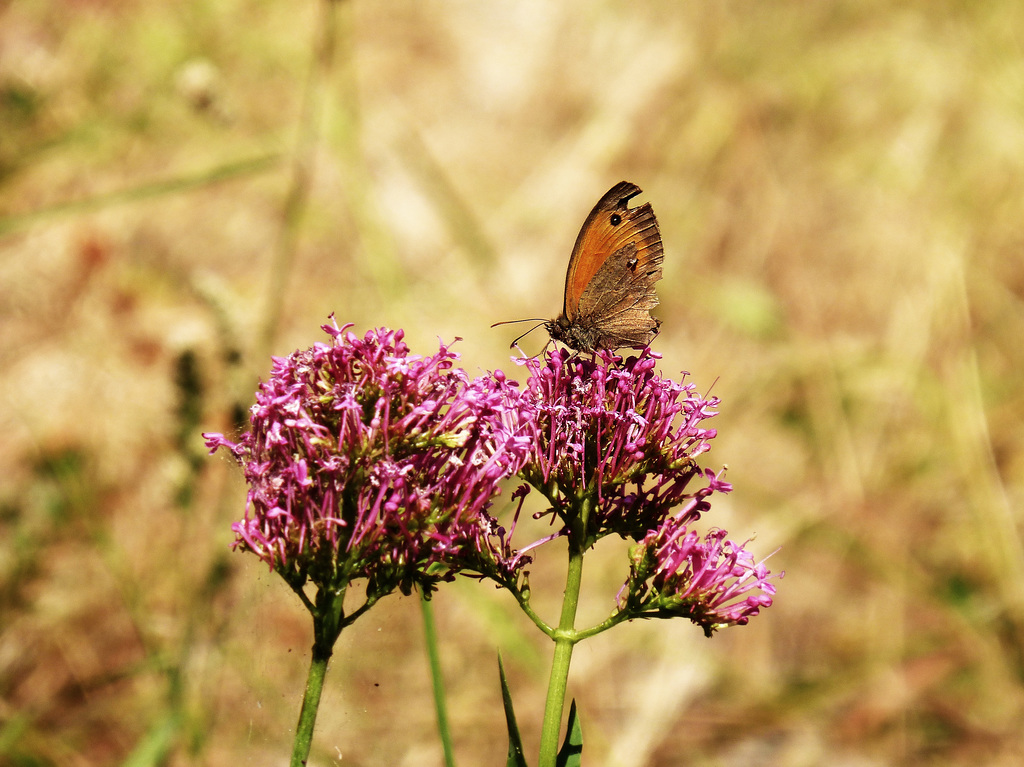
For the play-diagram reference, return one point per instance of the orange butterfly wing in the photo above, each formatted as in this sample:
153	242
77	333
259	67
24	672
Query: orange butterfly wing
609	285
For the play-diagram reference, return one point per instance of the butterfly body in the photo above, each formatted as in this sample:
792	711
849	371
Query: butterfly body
609	285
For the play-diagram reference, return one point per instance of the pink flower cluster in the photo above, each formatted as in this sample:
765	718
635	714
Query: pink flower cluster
616	433
618	430
366	461
711	580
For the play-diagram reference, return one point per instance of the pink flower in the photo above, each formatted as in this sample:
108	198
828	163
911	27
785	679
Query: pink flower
711	580
617	431
613	449
366	461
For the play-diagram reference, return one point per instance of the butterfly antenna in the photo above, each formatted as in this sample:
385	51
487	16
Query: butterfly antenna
513	322
515	345
524	335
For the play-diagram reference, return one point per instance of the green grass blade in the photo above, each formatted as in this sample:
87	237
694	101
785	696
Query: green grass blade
570	755
515	742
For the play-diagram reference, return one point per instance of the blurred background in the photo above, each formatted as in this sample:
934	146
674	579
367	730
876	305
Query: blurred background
187	188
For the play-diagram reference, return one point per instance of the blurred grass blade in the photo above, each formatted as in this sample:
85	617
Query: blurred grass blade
157	745
160	188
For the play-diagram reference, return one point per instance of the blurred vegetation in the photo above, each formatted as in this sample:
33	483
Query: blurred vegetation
186	188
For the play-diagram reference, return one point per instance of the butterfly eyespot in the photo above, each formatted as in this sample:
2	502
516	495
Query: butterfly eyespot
616	219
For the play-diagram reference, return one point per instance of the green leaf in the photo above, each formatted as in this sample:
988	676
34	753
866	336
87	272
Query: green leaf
569	754
515	742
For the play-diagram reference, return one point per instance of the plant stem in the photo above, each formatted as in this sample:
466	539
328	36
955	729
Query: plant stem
328	621
565	639
430	637
310	705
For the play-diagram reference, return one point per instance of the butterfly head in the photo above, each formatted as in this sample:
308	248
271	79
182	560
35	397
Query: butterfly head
575	335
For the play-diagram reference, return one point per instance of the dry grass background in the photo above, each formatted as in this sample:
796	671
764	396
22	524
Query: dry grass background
186	188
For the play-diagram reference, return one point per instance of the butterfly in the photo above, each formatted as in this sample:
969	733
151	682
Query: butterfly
609	285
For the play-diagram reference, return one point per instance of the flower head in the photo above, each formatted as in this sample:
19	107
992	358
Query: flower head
711	580
614	449
618	431
366	461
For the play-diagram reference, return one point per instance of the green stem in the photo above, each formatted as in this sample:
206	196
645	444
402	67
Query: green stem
565	639
606	624
310	705
524	603
430	636
328	621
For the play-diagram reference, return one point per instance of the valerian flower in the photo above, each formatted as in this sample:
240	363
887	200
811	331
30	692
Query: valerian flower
710	580
366	461
614	451
615	430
